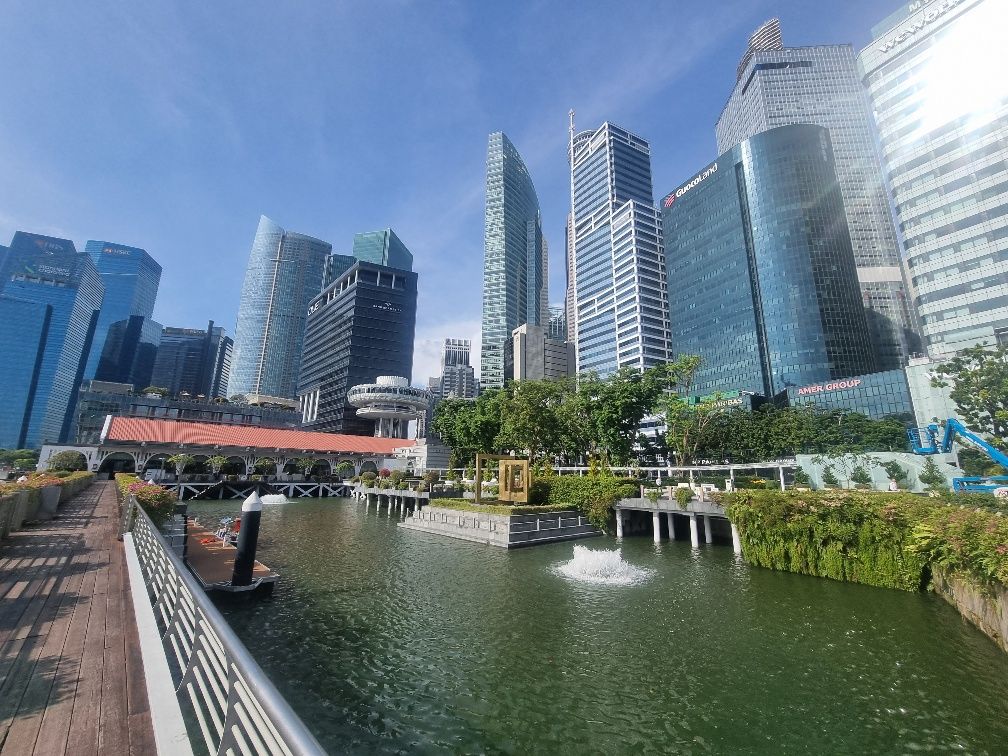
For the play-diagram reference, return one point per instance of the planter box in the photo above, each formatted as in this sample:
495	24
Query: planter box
32	502
50	497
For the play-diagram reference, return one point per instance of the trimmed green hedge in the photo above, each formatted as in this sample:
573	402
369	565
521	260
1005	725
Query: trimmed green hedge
875	538
467	505
594	495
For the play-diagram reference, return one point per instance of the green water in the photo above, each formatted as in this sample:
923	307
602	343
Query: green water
387	640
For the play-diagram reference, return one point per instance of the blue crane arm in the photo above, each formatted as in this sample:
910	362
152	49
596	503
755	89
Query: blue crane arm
953	428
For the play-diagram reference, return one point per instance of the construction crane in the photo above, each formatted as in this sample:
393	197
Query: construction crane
925	441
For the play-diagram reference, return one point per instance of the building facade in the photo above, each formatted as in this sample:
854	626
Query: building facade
877	395
24	334
778	86
285	272
457	379
382	248
130	351
360	327
934	73
515	258
131	278
621	311
192	361
539	355
99	399
765	285
51	273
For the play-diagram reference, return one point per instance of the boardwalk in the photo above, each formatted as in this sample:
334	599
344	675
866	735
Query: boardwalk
71	677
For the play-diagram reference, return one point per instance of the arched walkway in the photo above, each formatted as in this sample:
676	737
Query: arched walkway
117	462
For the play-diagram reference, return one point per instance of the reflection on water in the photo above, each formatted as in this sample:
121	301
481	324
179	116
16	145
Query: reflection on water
387	640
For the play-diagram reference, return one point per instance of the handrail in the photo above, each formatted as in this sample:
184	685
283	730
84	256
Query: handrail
237	708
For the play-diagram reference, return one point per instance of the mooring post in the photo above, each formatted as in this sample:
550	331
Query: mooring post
248	538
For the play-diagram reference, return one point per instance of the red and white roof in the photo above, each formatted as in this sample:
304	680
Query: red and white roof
135	430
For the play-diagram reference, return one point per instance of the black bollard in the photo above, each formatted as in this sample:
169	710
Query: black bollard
248	537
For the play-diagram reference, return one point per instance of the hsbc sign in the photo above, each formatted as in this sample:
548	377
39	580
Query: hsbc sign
700	177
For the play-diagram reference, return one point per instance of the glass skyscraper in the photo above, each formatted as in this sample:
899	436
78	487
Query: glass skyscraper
131	347
360	327
131	278
382	248
285	272
777	86
193	361
936	76
621	313
763	282
515	257
54	276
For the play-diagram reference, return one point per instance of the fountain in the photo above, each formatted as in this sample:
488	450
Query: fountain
602	567
274	499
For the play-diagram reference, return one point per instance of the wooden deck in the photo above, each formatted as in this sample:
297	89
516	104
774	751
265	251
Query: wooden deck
71	675
212	560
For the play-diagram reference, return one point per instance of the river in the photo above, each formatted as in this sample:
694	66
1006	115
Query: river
387	640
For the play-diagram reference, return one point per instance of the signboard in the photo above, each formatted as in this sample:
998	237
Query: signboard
822	388
907	32
695	181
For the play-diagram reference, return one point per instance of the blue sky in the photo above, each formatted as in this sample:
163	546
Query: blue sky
172	126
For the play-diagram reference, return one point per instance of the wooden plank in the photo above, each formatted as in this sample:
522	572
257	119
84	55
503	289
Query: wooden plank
113	733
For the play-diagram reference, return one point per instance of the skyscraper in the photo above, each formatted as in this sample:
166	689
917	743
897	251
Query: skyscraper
382	248
766	286
131	278
457	379
193	361
621	314
131	347
777	86
515	259
935	73
285	272
67	290
359	328
570	297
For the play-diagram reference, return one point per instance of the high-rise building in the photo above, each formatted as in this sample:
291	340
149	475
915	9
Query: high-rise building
515	258
359	328
539	355
67	290
766	289
570	298
621	314
131	348
131	278
193	361
382	248
558	323
935	76
285	272
24	334
778	86
457	379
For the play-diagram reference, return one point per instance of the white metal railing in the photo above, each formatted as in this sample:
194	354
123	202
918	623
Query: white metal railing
237	708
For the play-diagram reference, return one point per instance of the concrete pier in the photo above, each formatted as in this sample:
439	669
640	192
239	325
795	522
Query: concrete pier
694	533
656	520
707	530
670	518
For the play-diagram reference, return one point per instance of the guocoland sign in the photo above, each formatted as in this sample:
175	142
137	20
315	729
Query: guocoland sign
705	174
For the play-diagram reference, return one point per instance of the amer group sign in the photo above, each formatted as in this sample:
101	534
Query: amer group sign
822	388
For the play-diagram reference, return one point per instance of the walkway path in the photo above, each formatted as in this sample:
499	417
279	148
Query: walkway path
71	677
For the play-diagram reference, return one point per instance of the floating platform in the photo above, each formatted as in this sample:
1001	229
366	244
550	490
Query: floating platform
211	561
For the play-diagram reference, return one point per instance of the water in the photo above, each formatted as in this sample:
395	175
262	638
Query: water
602	567
387	640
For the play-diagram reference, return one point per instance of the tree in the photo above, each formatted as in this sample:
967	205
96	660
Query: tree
801	478
860	476
265	465
828	476
158	390
21	459
978	377
895	472
305	465
181	462
344	469
67	460
217	462
932	477
690	426
530	420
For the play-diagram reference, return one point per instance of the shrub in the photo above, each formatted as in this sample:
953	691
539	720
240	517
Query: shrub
932	477
430	477
67	461
344	469
683	496
895	472
829	478
397	477
595	496
801	478
385	472
158	503
860	477
368	478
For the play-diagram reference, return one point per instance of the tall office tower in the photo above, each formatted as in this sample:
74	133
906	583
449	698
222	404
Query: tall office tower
335	266
382	248
935	73
777	86
621	317
131	348
538	355
557	323
570	298
194	361
515	277
359	328
67	290
285	272
131	278
458	379
766	285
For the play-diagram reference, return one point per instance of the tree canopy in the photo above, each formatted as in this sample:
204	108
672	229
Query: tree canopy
978	378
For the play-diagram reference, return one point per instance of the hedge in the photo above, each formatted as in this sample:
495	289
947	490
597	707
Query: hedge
158	503
467	505
881	539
